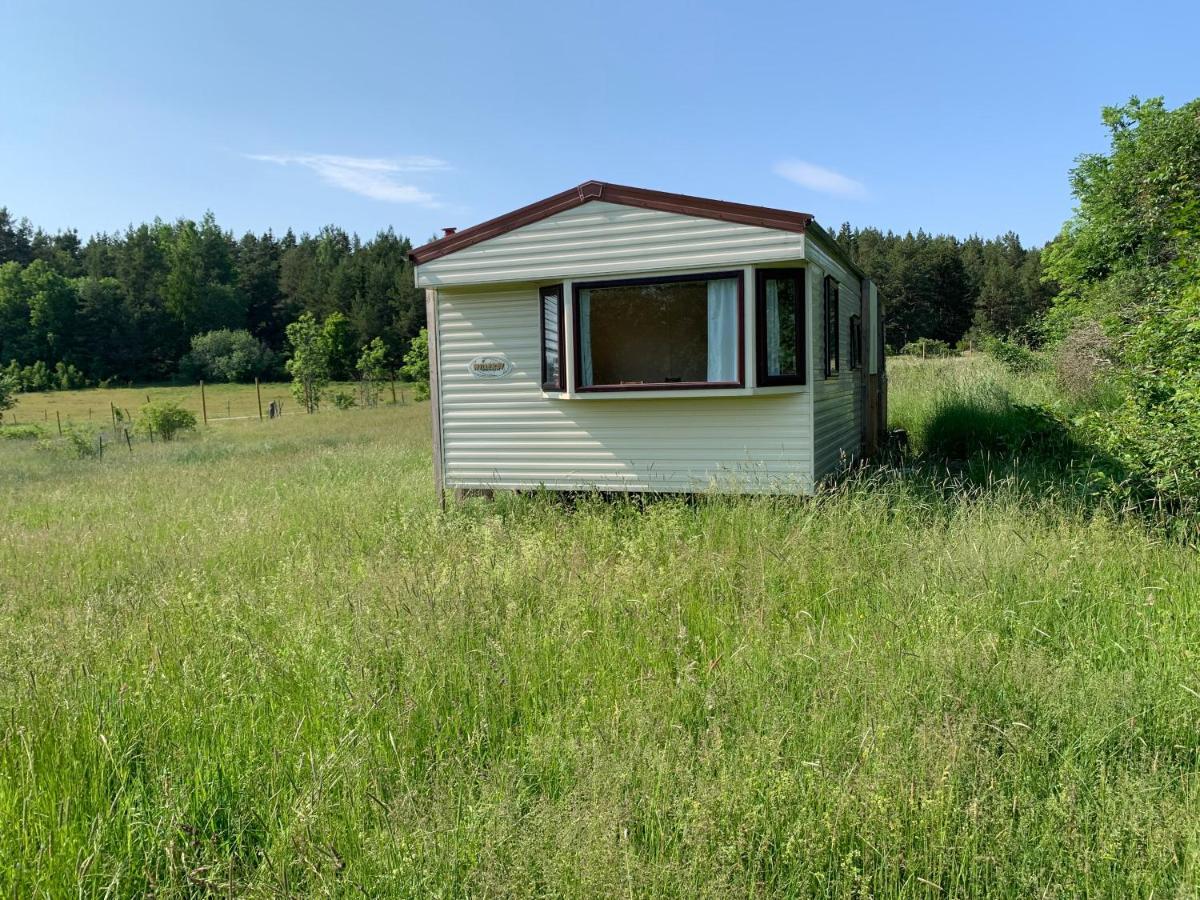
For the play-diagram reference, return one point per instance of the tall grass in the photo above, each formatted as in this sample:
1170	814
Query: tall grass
259	662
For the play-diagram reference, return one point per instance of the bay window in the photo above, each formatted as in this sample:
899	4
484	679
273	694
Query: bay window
780	326
681	331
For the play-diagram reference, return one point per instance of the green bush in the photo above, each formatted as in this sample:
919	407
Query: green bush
22	432
40	377
1017	358
344	400
166	419
227	355
928	347
8	393
416	365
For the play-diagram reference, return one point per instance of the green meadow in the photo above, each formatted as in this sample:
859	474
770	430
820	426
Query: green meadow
260	661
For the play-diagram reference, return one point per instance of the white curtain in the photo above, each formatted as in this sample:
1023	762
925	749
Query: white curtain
722	330
585	337
772	326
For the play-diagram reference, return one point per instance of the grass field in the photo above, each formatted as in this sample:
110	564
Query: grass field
259	662
222	400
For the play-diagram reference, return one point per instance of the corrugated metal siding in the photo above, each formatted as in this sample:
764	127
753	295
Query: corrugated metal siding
601	238
838	402
504	433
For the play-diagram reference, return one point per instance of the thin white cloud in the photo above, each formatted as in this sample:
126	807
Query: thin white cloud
818	178
370	177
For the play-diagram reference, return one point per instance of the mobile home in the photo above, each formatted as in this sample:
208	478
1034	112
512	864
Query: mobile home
620	339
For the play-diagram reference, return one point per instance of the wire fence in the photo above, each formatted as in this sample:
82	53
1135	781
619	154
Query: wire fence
108	418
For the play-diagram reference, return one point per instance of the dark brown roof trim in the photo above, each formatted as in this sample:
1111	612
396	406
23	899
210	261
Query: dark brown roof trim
742	213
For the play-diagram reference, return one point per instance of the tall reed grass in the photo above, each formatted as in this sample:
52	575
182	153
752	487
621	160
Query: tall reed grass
260	663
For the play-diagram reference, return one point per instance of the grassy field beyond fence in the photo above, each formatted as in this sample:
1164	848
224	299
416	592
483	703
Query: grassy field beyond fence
258	661
223	401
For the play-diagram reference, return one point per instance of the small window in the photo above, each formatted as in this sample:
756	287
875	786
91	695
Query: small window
552	342
833	361
663	333
780	326
855	350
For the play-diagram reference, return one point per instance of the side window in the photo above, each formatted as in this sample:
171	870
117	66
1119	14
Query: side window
780	331
552	342
833	362
854	354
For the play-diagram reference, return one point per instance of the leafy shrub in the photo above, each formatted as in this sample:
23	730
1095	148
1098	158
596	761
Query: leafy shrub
344	400
1084	362
8	393
416	364
227	355
83	443
1017	358
165	418
372	370
40	377
928	347
22	432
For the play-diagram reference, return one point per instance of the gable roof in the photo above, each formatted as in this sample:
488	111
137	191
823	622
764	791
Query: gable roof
780	219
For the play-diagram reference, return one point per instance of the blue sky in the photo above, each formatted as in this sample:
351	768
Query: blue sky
956	117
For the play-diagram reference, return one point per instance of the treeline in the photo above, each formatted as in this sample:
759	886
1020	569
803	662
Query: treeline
953	290
128	307
153	302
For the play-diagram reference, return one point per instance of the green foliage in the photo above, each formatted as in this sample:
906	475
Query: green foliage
81	442
344	400
309	365
1128	260
276	690
928	347
416	365
226	355
372	369
1013	356
941	287
341	344
127	306
165	419
22	432
8	392
40	377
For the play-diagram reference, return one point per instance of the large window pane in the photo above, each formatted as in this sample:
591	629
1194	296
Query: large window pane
552	338
662	333
782	327
781	335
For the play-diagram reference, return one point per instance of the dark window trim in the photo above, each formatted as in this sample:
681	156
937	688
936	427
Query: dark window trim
760	297
854	351
561	383
832	314
577	374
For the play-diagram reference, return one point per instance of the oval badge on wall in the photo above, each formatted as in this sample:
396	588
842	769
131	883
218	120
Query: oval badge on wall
490	366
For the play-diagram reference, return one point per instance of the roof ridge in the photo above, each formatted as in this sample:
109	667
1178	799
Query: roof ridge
625	195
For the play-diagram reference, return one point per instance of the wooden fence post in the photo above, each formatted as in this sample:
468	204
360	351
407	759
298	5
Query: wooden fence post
393	390
58	418
258	393
128	440
203	403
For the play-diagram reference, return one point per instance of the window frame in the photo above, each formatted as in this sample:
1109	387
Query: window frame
831	324
561	384
761	276
577	368
854	352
